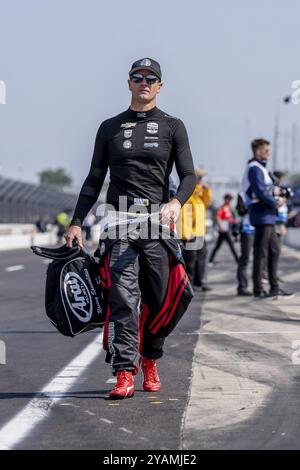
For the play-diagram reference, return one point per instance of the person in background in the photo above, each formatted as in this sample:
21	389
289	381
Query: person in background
205	194
42	224
263	213
63	221
282	212
246	235
224	218
280	225
87	226
246	240
282	215
191	229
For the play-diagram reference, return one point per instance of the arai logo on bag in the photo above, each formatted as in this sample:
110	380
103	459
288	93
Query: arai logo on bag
78	296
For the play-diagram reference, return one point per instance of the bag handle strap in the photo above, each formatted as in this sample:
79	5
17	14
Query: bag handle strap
62	253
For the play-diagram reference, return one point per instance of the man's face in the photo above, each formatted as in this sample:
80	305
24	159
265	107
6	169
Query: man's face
144	92
263	152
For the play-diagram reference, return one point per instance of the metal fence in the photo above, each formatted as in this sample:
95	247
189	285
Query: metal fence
26	203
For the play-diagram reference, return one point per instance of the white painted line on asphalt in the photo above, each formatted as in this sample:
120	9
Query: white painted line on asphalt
279	332
18	267
47	261
106	420
38	409
126	430
211	333
69	404
89	413
112	380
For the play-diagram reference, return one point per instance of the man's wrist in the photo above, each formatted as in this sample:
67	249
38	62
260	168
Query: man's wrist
76	223
176	200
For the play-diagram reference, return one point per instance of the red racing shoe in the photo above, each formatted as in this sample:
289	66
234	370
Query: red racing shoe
151	380
124	387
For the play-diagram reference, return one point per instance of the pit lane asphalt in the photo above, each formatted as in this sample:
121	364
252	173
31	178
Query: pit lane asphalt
240	391
83	419
246	371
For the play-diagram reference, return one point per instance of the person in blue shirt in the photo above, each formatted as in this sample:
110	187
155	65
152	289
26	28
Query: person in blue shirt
263	210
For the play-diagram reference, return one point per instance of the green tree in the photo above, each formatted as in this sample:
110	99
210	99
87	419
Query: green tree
58	178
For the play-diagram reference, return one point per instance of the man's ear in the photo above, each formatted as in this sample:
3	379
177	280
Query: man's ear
160	85
129	84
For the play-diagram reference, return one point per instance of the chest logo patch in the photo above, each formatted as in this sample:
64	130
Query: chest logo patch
128	125
127	144
152	127
127	133
151	145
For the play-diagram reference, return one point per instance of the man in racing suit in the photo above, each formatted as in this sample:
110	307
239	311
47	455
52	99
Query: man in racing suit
139	147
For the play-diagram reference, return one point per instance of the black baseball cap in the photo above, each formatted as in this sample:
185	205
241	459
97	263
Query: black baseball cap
146	64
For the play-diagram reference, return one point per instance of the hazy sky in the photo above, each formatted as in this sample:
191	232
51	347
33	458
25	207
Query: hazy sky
225	64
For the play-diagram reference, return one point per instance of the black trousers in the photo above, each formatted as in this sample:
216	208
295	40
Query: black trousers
266	246
201	266
247	240
224	236
265	266
196	261
133	263
189	257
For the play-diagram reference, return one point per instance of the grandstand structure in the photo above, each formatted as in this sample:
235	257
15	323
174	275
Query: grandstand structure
22	202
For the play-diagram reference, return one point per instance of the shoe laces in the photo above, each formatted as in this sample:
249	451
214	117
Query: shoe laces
123	377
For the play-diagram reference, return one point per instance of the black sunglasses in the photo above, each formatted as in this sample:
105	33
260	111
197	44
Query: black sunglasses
138	78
